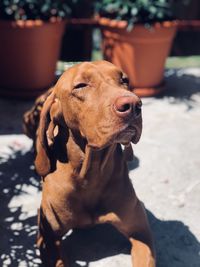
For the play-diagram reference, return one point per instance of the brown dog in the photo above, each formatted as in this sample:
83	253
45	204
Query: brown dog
88	114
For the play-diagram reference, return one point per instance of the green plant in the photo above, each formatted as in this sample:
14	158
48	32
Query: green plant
136	11
34	9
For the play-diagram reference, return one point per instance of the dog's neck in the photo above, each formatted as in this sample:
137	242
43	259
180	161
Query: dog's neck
83	158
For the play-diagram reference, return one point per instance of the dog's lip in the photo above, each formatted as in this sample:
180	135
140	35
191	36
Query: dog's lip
124	135
130	128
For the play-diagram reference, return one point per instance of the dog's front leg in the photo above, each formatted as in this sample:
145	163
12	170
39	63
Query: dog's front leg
48	243
139	234
142	250
129	217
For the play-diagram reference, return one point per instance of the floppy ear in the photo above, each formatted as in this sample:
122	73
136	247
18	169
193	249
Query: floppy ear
50	114
31	117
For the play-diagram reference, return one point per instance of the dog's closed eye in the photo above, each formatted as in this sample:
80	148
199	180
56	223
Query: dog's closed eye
124	81
80	85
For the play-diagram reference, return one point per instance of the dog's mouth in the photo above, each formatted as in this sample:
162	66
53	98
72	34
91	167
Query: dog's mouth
122	135
126	135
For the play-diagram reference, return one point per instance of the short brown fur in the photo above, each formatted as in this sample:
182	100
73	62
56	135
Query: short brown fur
88	114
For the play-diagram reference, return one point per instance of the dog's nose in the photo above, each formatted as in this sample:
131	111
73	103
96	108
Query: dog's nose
126	105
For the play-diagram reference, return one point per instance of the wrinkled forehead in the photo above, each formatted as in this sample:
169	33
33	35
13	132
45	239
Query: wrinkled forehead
87	71
98	68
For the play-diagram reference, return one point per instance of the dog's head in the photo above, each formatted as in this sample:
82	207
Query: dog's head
94	100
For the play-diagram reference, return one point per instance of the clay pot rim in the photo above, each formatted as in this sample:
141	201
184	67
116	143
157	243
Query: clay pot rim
123	24
32	23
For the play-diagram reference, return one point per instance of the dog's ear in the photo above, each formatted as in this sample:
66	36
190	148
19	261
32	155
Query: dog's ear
49	117
31	117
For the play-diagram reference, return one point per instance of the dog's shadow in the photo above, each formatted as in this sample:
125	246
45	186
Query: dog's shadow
98	246
19	185
175	245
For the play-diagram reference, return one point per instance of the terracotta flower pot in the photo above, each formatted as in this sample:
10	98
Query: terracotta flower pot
29	51
141	52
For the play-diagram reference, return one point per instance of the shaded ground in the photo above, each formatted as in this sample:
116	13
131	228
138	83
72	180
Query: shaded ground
165	174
